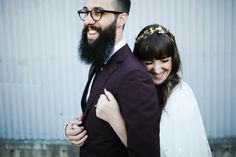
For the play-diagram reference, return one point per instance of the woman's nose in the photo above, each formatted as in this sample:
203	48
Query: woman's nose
157	67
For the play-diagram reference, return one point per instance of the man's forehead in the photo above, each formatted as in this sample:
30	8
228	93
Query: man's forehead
105	4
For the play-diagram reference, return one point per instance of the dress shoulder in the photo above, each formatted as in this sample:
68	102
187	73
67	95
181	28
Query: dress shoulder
182	132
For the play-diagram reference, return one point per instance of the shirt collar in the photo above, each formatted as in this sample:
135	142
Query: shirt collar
117	47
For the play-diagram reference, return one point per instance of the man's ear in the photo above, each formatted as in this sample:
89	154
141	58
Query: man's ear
122	19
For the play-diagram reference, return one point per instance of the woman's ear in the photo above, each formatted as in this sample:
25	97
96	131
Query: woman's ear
122	19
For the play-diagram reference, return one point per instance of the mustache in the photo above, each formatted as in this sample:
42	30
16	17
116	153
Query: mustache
93	28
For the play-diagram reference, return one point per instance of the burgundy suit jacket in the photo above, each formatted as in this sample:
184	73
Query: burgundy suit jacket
128	80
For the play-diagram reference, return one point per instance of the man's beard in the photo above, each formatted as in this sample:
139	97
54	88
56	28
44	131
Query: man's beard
98	52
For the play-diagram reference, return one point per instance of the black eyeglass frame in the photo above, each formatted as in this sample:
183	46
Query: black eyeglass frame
97	11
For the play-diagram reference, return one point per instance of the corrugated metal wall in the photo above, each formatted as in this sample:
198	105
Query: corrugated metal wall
41	78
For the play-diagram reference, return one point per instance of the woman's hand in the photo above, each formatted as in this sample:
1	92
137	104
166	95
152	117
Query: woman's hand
108	110
107	107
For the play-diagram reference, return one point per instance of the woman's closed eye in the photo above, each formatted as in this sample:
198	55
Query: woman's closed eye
148	62
165	60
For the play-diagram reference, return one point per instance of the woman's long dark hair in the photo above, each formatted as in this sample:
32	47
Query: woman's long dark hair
156	42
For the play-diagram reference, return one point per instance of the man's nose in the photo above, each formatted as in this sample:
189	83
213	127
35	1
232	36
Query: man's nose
89	20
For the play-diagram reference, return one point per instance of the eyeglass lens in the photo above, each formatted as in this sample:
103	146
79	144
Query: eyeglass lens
95	14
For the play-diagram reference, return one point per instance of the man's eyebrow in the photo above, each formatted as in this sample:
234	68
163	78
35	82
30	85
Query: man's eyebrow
94	8
98	8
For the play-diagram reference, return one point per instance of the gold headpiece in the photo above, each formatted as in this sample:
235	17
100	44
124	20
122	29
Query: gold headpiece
150	31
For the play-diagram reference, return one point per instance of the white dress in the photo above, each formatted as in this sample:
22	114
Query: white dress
182	132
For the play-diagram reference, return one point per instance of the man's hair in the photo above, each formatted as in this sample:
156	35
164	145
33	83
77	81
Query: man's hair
123	5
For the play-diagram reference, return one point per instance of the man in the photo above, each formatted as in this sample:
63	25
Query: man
117	70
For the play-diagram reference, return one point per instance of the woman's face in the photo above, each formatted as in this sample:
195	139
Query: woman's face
159	69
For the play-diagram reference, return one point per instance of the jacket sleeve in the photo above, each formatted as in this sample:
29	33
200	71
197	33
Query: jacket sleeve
140	109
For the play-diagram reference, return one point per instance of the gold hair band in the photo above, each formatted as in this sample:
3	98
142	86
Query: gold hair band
150	31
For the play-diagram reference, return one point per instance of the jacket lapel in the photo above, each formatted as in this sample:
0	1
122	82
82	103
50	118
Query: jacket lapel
104	75
83	99
99	85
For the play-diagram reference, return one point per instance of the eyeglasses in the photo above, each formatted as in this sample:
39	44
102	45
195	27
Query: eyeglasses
95	13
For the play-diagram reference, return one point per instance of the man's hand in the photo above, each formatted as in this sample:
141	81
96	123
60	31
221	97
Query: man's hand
75	133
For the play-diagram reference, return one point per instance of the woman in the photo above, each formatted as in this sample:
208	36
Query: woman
182	132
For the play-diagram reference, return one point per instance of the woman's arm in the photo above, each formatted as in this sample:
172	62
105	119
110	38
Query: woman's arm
108	110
